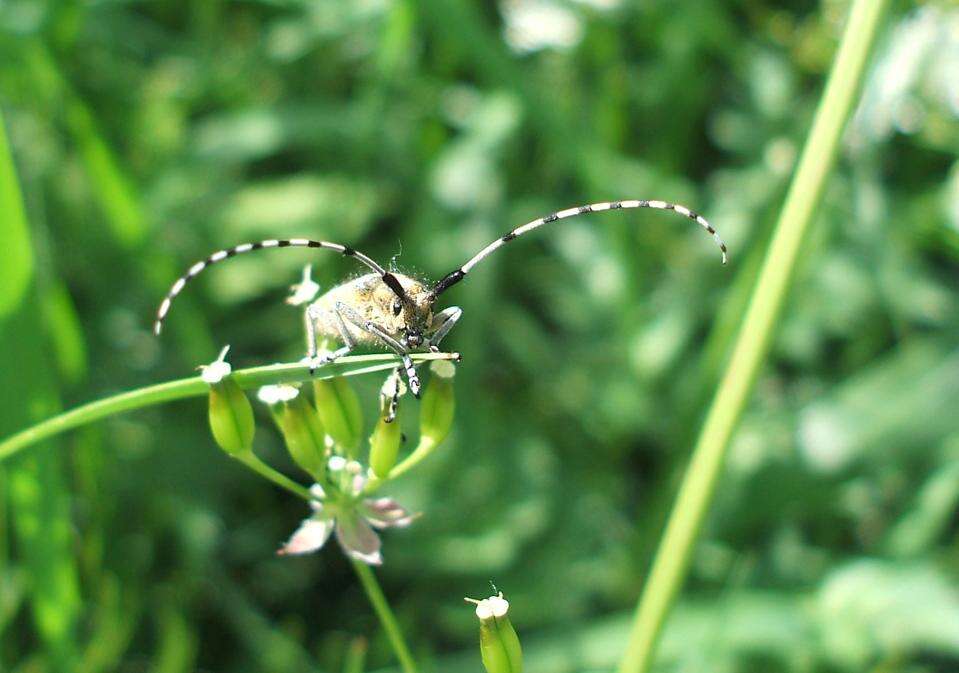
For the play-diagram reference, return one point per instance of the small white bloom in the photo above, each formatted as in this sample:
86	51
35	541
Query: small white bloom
494	606
304	291
217	370
278	393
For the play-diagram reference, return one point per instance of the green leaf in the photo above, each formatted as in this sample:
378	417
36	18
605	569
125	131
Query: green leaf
16	270
37	489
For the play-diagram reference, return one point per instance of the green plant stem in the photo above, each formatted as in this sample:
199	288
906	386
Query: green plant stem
195	387
251	460
387	618
752	344
418	455
422	451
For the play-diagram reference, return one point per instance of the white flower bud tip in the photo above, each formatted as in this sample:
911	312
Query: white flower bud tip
337	463
494	606
217	370
275	394
305	290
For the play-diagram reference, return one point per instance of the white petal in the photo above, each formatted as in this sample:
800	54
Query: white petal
358	539
310	536
387	513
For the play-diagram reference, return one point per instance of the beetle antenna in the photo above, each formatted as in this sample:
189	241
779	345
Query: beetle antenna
177	287
456	276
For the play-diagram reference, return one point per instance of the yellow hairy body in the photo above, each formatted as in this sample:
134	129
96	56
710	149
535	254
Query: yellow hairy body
372	301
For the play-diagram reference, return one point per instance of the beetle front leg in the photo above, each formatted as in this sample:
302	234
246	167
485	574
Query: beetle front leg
314	359
443	322
390	395
391	343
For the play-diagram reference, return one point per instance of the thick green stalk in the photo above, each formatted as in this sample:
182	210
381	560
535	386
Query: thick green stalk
752	344
195	387
387	619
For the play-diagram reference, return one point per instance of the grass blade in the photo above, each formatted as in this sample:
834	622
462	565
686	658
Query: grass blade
752	344
37	491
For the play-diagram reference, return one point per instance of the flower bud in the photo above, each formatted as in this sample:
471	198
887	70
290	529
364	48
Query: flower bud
387	436
499	644
384	447
438	404
231	416
300	425
340	412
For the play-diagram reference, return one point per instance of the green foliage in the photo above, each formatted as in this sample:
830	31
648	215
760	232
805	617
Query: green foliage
425	130
36	491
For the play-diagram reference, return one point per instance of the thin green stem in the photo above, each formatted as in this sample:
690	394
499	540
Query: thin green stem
195	387
387	618
422	451
253	462
752	344
419	454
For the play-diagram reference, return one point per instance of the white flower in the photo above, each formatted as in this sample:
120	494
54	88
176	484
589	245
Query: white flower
488	608
275	394
217	370
351	517
305	290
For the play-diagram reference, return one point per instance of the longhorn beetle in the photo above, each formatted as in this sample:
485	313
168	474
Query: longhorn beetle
388	308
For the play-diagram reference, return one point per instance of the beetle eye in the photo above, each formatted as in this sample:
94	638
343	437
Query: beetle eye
397	307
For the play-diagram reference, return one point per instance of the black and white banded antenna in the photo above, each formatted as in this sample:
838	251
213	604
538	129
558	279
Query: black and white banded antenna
195	270
459	274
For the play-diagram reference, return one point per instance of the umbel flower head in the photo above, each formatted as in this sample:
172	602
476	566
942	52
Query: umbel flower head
345	512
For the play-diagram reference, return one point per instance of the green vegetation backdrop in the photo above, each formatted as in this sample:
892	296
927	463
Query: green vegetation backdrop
146	135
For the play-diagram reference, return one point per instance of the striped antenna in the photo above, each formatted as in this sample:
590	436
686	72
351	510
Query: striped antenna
197	268
459	274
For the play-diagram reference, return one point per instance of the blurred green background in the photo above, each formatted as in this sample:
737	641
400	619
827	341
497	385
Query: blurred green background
148	134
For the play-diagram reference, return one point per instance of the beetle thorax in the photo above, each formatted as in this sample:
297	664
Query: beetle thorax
374	301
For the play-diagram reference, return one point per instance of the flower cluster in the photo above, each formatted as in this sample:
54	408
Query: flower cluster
323	438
